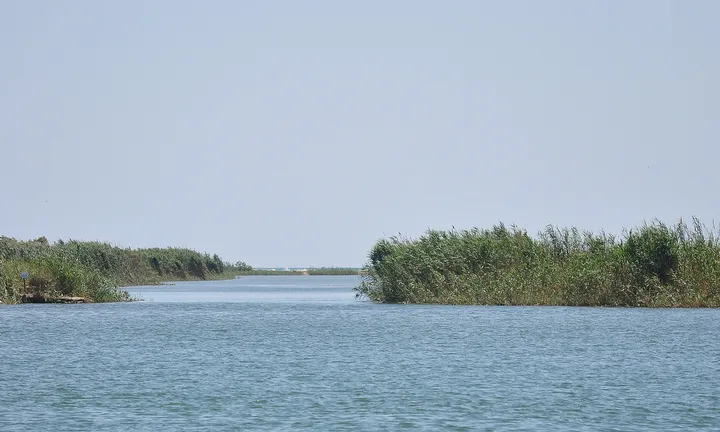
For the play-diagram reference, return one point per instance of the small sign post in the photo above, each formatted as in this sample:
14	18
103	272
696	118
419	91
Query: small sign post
24	276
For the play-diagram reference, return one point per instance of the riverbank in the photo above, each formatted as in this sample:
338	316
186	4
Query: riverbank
654	265
96	271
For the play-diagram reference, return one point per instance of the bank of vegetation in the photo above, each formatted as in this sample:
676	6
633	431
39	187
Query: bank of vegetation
654	265
333	271
311	271
95	271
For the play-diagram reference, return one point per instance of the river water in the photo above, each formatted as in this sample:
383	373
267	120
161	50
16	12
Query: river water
300	353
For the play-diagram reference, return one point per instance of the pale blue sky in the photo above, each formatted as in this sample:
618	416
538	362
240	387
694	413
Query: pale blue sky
296	133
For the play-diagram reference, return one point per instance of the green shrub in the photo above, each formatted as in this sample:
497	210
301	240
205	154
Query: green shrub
653	250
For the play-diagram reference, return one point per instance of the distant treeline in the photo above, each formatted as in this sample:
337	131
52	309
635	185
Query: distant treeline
654	265
333	271
313	271
94	270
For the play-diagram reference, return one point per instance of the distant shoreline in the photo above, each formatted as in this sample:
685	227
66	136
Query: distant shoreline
321	271
38	271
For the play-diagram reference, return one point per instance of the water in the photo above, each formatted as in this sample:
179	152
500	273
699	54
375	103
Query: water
299	353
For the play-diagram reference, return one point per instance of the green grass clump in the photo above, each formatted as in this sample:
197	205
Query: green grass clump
54	276
654	265
95	270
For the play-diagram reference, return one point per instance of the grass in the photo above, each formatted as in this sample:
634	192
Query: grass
53	277
654	265
96	270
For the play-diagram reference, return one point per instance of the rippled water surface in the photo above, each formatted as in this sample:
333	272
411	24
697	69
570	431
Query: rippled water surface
300	353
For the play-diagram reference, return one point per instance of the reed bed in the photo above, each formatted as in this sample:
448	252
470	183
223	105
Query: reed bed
95	270
654	265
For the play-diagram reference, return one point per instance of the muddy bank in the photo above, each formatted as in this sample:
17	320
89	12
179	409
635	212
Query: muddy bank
40	298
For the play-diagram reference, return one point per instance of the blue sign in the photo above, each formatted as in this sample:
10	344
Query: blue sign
24	275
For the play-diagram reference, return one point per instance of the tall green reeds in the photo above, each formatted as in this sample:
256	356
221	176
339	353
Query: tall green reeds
654	265
94	270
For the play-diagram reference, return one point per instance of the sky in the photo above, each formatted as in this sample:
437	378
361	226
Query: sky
288	133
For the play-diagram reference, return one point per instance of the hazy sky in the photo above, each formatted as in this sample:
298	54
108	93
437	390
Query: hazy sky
297	133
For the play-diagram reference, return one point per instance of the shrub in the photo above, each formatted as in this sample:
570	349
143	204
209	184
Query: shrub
653	250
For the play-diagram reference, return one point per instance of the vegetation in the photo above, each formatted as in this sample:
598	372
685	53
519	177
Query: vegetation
333	271
654	265
95	270
312	271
